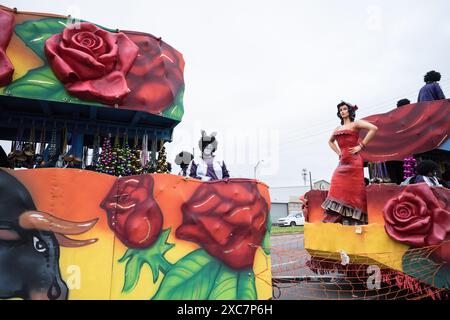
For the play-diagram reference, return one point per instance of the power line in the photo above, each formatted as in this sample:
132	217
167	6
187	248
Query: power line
288	142
379	106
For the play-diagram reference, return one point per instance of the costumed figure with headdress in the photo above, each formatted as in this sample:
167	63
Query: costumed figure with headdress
183	159
207	167
346	202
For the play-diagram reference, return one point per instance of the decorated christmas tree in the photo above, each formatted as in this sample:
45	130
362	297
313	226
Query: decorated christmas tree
136	157
136	162
127	161
106	161
161	163
116	161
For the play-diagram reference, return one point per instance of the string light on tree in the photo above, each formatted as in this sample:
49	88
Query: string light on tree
161	163
105	163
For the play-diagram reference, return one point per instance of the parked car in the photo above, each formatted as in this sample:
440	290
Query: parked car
293	219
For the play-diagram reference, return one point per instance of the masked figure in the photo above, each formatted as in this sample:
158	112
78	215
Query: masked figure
207	167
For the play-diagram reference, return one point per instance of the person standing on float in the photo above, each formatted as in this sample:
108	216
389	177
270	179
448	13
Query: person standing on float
431	91
346	201
207	167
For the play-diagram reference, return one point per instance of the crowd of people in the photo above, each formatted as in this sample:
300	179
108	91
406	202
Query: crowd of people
427	170
431	91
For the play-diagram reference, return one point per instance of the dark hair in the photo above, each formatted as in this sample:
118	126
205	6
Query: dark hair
403	102
432	76
206	140
183	158
427	166
351	111
446	174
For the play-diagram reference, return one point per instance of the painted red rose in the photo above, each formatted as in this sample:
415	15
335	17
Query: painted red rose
92	62
417	217
156	76
227	219
6	29
133	213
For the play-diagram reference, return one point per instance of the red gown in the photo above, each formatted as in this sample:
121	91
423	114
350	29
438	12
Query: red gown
347	195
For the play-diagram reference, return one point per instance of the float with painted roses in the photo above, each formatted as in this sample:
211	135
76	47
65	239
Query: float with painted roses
406	243
96	214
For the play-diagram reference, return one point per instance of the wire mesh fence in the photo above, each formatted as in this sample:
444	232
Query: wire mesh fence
298	275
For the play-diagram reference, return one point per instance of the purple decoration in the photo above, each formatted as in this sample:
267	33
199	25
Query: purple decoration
409	166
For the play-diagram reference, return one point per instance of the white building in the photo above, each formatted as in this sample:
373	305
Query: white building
286	200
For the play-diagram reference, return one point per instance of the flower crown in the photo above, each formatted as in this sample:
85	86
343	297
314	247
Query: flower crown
354	107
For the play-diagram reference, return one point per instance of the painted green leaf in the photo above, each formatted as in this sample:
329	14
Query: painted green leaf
41	83
266	240
191	278
246	289
198	276
132	273
153	256
34	33
418	264
176	110
232	285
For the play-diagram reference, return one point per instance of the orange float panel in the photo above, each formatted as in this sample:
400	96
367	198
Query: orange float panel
94	236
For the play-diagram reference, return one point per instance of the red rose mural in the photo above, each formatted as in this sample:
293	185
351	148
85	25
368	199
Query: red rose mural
133	213
227	220
84	63
417	217
92	62
156	76
6	29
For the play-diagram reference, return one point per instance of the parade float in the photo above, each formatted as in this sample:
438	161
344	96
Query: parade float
405	247
93	212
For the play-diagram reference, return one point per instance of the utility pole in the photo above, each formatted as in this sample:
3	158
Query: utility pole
256	167
310	181
304	174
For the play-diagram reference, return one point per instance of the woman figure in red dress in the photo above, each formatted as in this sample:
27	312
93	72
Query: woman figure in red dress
346	202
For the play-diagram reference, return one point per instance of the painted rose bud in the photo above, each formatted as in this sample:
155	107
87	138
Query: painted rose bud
133	213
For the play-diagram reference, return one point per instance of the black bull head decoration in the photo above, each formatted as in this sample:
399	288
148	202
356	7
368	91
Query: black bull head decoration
29	245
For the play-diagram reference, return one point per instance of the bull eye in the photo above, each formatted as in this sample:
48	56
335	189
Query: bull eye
39	245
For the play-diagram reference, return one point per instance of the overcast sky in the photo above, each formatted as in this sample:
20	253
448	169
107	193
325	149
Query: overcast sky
267	75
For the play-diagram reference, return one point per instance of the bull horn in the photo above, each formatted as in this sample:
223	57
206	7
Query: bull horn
72	243
44	221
